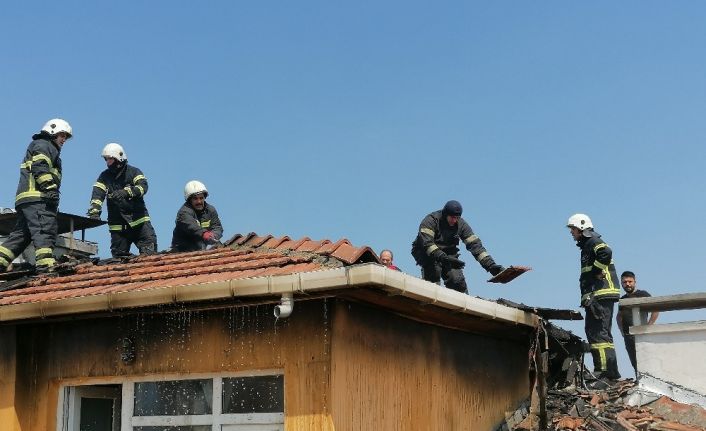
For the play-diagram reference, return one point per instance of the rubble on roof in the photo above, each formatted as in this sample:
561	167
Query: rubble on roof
546	313
579	409
566	397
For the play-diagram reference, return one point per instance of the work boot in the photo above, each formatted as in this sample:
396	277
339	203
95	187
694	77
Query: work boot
45	269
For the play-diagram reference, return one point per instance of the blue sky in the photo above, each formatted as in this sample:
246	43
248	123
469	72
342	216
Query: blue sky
331	120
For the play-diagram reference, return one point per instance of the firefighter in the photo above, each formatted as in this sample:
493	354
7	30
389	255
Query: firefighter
128	220
436	247
37	199
599	293
197	222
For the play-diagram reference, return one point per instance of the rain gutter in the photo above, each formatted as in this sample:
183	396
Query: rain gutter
393	283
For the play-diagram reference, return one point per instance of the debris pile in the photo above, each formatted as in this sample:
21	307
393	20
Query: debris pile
566	396
604	410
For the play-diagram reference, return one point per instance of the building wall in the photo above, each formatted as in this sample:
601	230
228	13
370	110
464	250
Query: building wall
8	415
673	353
346	366
232	340
391	373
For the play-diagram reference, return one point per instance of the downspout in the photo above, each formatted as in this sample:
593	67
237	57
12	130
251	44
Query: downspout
284	309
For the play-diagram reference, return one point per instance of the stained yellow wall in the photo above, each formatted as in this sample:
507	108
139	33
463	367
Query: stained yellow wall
346	366
230	340
8	415
390	373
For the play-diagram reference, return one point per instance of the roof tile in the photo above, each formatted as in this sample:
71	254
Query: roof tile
249	255
312	245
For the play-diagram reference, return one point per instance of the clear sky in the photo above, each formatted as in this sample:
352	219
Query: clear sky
332	120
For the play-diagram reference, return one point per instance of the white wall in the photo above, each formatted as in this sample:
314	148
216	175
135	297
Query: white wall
673	353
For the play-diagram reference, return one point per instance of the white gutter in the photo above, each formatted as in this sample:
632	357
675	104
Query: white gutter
350	277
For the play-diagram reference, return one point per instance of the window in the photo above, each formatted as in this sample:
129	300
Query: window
260	394
232	403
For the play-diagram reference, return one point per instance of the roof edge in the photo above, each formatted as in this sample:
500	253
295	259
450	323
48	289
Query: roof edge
348	277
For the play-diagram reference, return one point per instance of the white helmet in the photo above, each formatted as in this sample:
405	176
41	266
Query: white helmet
57	125
115	151
194	187
580	222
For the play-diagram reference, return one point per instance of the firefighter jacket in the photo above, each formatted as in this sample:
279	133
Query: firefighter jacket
436	237
191	225
123	213
598	278
40	171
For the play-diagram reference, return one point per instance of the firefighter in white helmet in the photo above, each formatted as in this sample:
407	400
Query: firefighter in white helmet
37	198
197	221
600	291
125	187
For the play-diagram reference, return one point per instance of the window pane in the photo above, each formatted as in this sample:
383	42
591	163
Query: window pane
168	428
173	398
96	414
261	394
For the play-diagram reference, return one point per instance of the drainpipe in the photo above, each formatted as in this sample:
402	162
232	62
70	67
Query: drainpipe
284	309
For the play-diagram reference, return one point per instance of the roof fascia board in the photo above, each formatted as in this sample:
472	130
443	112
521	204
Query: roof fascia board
356	276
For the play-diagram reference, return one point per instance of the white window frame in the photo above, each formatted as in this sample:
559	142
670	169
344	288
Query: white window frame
73	403
218	420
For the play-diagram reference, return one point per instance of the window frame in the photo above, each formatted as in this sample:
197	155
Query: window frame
216	419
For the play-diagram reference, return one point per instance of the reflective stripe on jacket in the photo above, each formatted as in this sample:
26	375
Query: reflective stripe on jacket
598	276
40	171
122	213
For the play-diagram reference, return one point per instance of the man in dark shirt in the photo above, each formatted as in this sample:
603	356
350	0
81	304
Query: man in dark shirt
624	317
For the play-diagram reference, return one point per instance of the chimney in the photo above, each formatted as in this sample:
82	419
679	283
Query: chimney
66	242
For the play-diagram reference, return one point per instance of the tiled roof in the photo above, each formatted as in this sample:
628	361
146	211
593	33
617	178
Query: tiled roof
244	256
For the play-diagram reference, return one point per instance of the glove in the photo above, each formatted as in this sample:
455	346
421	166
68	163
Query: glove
119	195
496	269
453	262
208	236
587	300
51	195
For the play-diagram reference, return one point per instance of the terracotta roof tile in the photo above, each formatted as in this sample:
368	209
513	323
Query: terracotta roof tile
331	247
274	242
246	256
257	241
293	244
312	245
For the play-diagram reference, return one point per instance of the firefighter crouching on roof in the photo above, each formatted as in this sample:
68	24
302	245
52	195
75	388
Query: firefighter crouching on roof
197	222
37	199
128	220
436	247
599	293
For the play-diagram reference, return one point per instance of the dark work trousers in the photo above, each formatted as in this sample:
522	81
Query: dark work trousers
453	278
36	223
142	236
630	347
599	319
